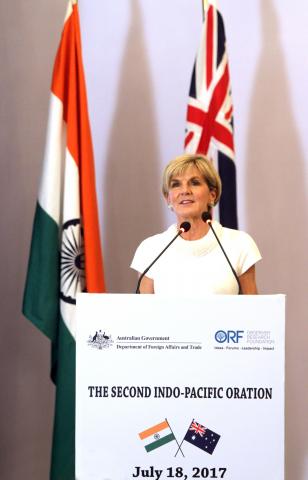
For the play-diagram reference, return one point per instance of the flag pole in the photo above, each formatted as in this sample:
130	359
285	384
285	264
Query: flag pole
204	5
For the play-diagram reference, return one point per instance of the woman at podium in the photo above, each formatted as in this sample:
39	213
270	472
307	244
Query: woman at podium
207	257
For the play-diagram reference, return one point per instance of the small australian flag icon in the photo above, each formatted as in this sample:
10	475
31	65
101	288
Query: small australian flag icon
202	437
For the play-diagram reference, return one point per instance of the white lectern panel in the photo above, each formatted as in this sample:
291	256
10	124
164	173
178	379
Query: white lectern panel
180	388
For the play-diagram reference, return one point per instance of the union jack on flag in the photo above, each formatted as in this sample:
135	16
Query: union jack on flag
197	428
209	121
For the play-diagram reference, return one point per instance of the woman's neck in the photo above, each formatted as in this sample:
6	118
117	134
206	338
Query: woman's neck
198	228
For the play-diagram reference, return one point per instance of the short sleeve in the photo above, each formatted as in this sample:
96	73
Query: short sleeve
149	249
143	257
249	253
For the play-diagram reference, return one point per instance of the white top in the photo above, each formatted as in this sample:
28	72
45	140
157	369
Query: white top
196	266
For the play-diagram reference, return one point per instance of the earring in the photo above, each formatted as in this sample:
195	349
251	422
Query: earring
170	207
211	205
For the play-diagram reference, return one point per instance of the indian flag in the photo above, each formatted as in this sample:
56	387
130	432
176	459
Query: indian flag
157	436
65	256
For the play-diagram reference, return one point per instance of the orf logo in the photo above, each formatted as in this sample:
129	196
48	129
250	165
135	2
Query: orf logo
228	336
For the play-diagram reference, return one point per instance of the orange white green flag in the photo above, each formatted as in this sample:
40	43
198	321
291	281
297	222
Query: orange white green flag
65	256
157	436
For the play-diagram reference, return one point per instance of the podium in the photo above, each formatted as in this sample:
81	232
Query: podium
180	387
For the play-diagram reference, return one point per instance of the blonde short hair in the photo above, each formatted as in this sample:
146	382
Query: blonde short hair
180	164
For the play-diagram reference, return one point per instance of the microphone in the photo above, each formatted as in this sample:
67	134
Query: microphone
207	218
184	227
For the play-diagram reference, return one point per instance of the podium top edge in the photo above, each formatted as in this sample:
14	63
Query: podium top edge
208	295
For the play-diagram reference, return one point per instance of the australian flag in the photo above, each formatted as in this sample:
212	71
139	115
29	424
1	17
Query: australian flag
202	437
209	120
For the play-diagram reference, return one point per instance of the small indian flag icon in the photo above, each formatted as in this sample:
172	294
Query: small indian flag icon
157	436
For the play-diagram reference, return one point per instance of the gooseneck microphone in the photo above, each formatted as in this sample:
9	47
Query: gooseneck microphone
184	227
207	218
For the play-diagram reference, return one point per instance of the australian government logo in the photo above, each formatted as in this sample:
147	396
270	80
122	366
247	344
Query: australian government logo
147	343
100	340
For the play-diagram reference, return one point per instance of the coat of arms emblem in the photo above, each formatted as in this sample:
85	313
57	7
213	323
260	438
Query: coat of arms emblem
100	340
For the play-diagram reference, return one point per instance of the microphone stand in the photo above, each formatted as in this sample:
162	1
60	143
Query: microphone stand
184	227
206	217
